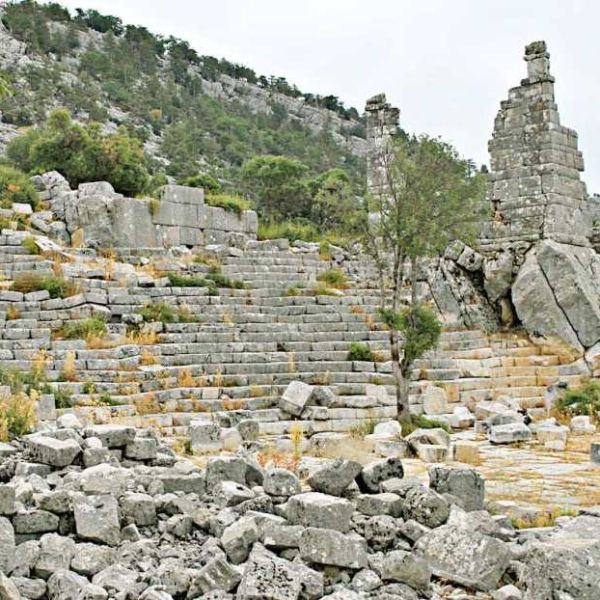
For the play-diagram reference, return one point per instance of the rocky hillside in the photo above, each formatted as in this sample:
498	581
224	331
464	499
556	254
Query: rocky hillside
191	111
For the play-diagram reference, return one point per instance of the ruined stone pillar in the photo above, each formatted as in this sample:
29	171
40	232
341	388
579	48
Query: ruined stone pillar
382	126
534	185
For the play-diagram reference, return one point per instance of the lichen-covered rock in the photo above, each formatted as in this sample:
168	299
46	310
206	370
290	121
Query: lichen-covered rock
281	482
330	547
461	482
426	507
334	477
97	519
314	509
374	474
465	557
53	452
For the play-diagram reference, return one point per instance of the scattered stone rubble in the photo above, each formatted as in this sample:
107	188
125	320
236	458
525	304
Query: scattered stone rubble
108	511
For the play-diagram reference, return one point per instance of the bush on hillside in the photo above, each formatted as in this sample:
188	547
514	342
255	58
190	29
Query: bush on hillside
202	180
360	351
81	153
335	278
16	187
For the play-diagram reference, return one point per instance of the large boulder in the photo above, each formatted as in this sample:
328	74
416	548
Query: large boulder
97	519
572	272
269	577
464	557
426	507
374	474
564	564
7	545
330	547
537	306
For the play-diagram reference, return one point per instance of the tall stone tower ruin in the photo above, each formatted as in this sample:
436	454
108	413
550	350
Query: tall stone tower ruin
534	184
382	126
534	266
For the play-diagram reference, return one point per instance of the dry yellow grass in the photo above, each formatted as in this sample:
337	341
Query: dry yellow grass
69	372
355	309
12	313
292	367
142	338
233	404
147	358
217	380
147	405
185	379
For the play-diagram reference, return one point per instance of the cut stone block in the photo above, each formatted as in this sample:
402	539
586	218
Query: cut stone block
295	398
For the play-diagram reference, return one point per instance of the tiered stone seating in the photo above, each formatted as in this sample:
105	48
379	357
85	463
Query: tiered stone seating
248	344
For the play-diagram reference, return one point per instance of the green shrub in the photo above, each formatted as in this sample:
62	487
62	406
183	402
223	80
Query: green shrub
17	416
16	187
335	278
360	430
292	291
63	398
30	281
214	279
177	280
291	230
223	281
361	352
94	326
235	204
414	422
420	327
29	244
202	180
82	153
158	311
325	251
584	400
108	400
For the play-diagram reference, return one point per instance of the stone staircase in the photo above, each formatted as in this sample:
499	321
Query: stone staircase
247	345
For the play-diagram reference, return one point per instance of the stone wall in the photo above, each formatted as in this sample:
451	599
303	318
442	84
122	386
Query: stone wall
105	219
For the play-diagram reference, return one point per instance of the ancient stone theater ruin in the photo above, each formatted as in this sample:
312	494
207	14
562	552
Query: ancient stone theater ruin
216	438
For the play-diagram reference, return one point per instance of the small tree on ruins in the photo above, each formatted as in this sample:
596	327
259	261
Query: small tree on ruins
423	198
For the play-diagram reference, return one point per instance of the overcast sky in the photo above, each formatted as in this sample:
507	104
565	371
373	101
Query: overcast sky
445	63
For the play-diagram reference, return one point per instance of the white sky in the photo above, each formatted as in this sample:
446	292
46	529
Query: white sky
445	63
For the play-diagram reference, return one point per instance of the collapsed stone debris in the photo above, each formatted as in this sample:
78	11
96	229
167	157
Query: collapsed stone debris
160	527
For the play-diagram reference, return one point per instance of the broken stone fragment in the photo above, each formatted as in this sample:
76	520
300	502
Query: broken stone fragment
97	519
53	452
330	547
334	477
295	397
314	509
509	433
